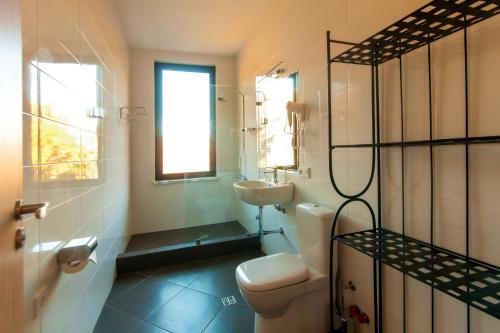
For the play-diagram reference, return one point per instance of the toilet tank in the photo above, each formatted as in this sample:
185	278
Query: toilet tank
314	225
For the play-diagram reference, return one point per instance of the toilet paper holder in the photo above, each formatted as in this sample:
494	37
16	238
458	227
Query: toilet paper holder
76	254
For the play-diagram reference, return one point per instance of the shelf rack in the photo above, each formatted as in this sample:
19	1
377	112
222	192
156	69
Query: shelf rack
471	281
431	22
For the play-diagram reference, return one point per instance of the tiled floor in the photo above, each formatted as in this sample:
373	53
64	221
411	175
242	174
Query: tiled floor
153	240
185	298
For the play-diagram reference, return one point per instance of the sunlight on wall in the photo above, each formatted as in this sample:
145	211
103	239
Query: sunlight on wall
61	146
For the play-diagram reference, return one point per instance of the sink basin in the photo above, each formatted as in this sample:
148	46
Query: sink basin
261	193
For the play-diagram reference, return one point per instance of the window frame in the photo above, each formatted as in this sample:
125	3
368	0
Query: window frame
159	67
295	129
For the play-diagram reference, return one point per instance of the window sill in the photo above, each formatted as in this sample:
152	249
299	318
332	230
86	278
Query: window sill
187	180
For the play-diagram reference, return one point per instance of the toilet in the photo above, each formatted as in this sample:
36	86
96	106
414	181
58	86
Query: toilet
289	293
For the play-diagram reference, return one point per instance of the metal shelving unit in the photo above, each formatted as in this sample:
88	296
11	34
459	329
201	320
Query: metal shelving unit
471	281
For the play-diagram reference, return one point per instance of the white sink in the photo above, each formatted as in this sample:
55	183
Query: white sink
261	193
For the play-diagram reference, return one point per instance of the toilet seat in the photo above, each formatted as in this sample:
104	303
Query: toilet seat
272	272
273	303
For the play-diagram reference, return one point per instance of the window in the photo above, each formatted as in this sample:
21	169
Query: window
185	121
281	148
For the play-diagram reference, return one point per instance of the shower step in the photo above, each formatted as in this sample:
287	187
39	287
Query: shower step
175	254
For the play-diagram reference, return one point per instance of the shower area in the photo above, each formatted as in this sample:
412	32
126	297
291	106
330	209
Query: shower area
192	217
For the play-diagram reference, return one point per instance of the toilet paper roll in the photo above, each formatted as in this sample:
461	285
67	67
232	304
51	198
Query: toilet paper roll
78	265
76	254
74	266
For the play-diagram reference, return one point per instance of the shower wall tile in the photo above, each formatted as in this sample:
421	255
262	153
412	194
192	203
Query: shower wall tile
484	175
391	169
449	173
481	322
359	129
446	308
484	115
60	223
30	140
390	101
392	210
449	118
418	316
360	166
393	300
57	38
59	183
416	95
31	281
73	62
484	233
449	224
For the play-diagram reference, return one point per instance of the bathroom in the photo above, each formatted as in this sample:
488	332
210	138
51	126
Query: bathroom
292	124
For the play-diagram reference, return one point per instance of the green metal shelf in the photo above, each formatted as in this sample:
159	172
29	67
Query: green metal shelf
470	281
433	21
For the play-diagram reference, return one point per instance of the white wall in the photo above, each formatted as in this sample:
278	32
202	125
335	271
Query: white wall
83	203
156	207
295	33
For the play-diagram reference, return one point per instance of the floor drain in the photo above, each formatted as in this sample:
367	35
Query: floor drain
228	300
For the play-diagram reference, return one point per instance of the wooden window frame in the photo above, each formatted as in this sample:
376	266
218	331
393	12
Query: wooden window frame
159	68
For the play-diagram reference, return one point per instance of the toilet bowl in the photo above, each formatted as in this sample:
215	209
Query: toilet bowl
289	293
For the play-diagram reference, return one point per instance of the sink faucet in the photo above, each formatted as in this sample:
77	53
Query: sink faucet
275	174
241	177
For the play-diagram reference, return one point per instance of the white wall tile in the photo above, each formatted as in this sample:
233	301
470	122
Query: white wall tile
64	159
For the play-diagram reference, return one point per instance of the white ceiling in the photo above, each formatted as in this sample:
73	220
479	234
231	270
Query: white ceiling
201	26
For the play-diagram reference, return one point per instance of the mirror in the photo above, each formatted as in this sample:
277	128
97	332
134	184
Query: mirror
278	136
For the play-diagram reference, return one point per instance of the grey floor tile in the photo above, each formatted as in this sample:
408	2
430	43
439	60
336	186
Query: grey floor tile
232	261
188	312
145	327
124	282
233	319
145	297
183	274
115	321
218	281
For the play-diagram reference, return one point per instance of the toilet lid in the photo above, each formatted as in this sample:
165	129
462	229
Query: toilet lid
271	272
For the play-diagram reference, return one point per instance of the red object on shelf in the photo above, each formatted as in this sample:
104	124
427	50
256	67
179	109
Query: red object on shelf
353	310
363	318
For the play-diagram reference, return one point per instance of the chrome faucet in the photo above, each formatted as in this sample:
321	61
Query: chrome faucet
241	177
275	174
